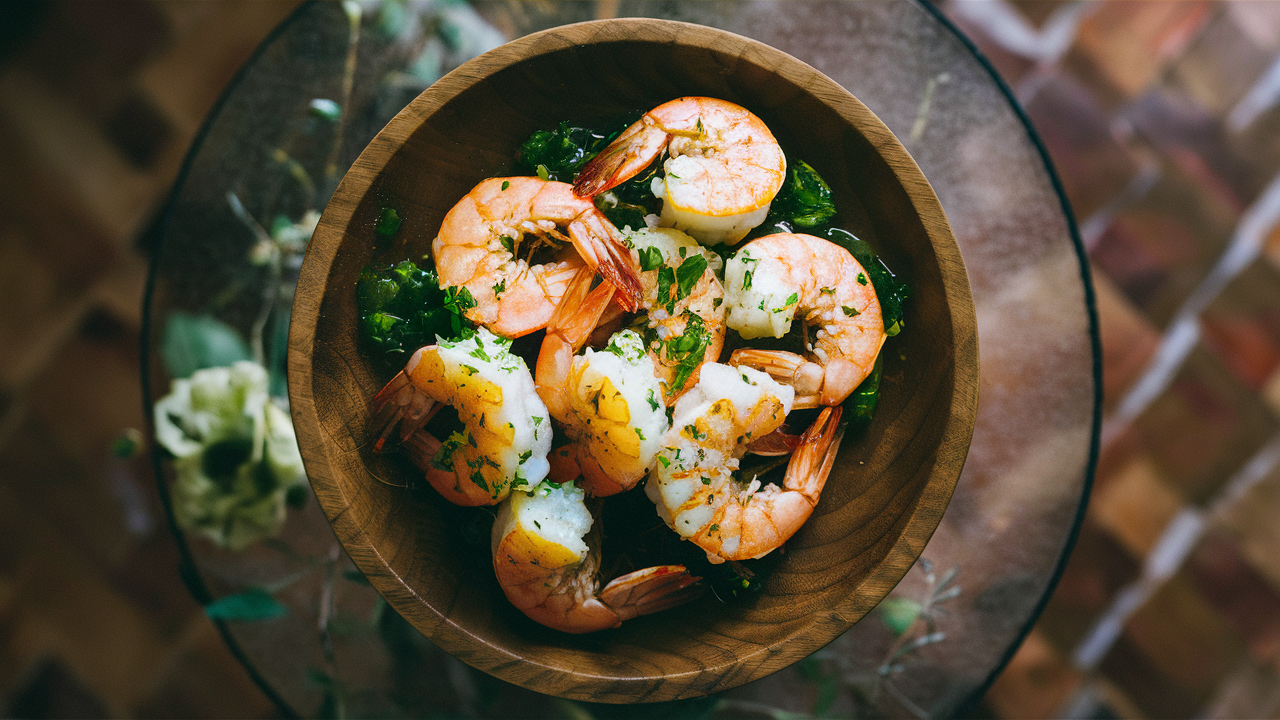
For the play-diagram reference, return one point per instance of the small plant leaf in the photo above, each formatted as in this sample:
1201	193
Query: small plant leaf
898	614
326	108
195	342
252	604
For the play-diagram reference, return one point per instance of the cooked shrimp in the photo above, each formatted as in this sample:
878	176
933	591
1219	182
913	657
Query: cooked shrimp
480	239
546	555
774	279
722	171
694	487
683	302
609	402
507	430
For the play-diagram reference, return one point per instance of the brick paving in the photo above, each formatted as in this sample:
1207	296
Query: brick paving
1163	120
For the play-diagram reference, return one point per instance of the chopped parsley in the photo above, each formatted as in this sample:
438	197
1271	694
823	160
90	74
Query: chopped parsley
402	307
685	352
666	278
689	273
803	204
559	154
443	459
651	258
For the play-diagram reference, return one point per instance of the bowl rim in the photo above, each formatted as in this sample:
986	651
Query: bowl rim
955	435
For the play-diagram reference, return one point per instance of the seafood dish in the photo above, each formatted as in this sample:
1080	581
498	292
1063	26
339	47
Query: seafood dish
666	311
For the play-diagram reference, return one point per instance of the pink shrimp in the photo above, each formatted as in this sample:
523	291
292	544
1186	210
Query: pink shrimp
776	278
481	236
722	171
546	557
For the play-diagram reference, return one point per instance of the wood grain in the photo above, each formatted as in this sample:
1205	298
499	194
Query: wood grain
889	488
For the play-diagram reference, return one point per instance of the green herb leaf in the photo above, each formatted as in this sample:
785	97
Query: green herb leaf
666	278
689	273
386	226
650	258
560	153
804	201
861	405
686	351
402	307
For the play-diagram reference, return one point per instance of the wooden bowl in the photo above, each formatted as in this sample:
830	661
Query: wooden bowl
888	490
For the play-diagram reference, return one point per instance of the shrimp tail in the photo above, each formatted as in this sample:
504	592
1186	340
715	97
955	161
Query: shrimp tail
567	331
774	444
626	156
811	463
602	173
581	309
602	245
399	404
650	590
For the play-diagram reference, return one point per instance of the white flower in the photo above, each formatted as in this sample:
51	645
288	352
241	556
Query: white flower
235	451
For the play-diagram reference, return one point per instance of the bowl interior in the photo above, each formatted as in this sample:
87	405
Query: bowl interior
888	490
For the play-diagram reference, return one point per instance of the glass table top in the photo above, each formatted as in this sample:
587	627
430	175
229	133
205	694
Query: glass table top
257	549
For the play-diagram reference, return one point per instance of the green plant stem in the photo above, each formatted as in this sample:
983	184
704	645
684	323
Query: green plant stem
352	11
297	172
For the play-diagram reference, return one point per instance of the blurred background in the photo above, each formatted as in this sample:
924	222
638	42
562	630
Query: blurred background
1163	122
